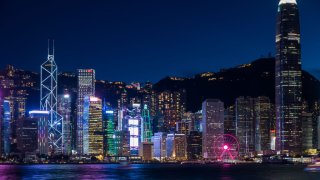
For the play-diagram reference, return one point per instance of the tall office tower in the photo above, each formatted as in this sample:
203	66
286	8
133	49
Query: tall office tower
64	109
159	146
229	121
288	78
132	123
43	140
1	128
146	129
244	116
49	101
171	105
307	131
170	146
27	135
213	125
264	118
123	101
122	143
180	147
86	87
186	125
194	145
6	127
149	98
17	111
108	131
92	126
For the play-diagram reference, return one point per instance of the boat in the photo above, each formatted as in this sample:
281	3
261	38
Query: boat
313	167
124	161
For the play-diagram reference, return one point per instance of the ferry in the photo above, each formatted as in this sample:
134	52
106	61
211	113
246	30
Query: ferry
313	167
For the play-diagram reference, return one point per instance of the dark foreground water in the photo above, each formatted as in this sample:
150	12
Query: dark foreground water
159	171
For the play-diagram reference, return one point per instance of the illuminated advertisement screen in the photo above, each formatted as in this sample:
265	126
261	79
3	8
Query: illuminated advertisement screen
134	142
134	122
134	131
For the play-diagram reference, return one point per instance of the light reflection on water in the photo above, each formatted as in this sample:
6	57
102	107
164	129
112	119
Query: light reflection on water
156	171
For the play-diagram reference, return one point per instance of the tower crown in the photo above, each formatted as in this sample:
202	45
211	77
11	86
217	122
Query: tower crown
287	2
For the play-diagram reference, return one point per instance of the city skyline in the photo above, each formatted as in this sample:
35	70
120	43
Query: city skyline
236	120
196	38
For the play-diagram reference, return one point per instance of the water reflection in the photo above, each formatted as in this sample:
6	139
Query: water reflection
156	171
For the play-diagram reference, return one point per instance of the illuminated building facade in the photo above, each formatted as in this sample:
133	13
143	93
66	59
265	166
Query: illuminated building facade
64	109
43	140
229	121
288	78
1	128
122	143
17	111
132	123
244	115
27	135
86	87
194	145
180	147
212	124
92	126
171	105
159	146
146	128
307	131
108	131
49	101
170	146
6	132
264	123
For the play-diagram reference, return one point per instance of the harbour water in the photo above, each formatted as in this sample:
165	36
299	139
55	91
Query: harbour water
157	171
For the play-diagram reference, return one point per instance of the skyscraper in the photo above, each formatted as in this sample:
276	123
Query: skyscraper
92	126
86	87
49	100
64	109
108	131
213	125
288	78
6	127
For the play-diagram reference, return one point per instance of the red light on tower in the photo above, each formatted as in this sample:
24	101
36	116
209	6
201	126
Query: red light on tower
89	70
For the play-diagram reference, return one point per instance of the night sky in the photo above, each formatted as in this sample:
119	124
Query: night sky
146	40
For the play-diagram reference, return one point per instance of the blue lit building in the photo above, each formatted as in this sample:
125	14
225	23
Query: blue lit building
6	127
43	138
108	131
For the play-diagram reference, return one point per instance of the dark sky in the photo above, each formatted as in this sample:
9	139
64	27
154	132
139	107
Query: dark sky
141	40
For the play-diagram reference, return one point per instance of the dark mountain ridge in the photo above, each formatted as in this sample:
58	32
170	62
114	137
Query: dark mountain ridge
254	79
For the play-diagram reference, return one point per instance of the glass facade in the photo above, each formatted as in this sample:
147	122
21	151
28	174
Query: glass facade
86	87
288	79
212	124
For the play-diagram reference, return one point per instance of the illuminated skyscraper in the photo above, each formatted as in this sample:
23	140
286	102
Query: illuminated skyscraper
288	78
92	126
171	105
146	130
6	127
43	140
159	146
27	135
132	123
17	111
108	131
49	101
86	87
212	124
64	109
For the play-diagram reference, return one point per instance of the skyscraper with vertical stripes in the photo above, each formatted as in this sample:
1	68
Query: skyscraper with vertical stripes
288	78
